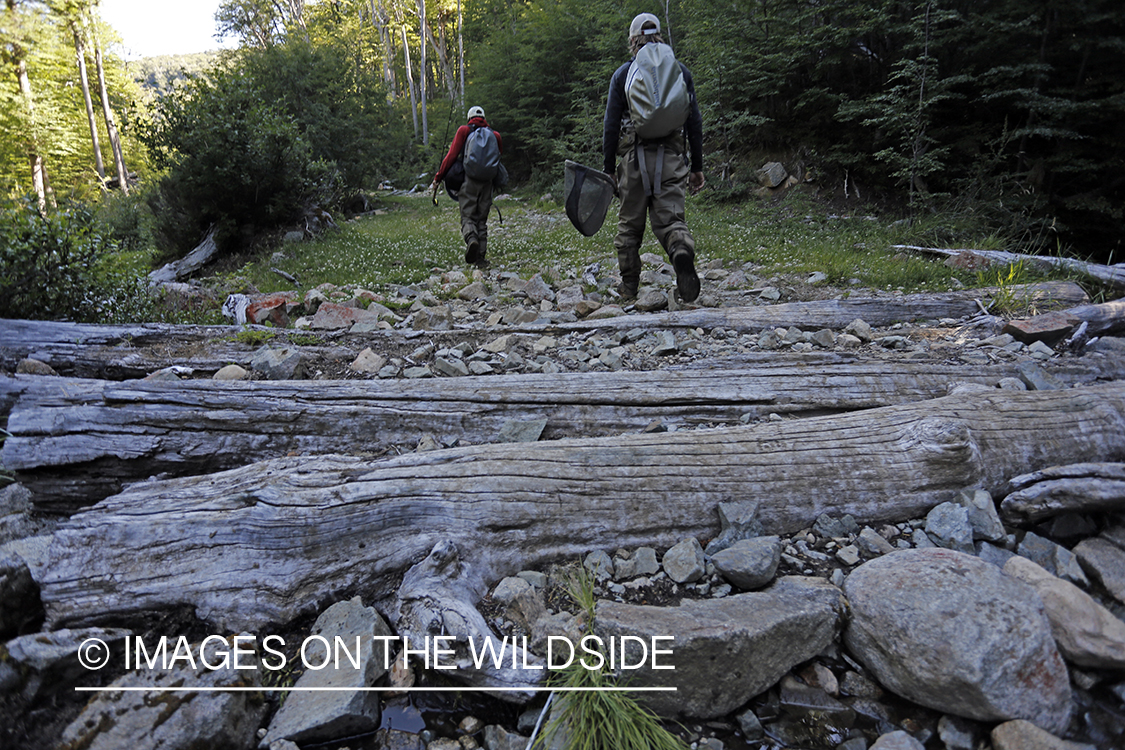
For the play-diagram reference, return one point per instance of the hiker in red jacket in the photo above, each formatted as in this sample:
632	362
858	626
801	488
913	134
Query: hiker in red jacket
479	155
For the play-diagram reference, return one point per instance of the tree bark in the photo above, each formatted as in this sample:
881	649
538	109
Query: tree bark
1110	275
110	122
84	79
277	539
75	442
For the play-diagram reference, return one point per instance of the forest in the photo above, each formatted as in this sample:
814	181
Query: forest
1007	113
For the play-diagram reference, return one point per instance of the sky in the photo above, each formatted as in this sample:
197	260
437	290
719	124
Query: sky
162	27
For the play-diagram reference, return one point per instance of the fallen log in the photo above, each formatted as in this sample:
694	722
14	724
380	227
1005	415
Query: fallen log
837	314
1111	275
189	264
267	542
1078	488
74	442
122	352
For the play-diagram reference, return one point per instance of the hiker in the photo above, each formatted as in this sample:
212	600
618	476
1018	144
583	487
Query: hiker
648	134
477	147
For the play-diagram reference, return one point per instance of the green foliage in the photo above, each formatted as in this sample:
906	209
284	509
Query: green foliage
596	716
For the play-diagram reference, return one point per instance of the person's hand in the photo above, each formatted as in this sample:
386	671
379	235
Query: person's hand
696	181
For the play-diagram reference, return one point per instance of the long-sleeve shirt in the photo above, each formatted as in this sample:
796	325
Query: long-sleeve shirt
458	145
618	105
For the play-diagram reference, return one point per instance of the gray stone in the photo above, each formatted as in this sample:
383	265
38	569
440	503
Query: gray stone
161	717
278	364
829	527
726	650
522	603
438	318
990	553
53	661
598	563
1023	735
848	555
1087	633
498	738
534	577
958	733
34	367
921	540
1055	558
737	520
231	372
315	716
450	367
684	562
861	330
750	726
873	543
1038	379
982	514
897	740
953	633
749	563
948	526
1104	561
665	344
538	290
645	562
824	338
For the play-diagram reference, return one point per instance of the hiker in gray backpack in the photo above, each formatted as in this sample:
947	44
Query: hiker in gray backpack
652	123
478	148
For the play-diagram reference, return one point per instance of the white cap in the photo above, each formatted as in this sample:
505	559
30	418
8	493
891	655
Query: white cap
639	25
475	112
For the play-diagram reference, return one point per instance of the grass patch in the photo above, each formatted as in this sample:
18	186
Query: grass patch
599	719
794	235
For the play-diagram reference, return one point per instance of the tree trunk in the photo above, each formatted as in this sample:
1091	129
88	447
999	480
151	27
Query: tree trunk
110	123
1111	275
80	50
275	540
410	80
422	70
75	442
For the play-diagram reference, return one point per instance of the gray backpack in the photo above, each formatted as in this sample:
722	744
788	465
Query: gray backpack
658	98
482	155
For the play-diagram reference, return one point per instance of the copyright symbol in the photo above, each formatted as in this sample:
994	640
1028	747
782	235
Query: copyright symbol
93	653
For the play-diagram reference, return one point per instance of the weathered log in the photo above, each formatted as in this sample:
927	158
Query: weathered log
74	442
1081	488
120	352
1112	275
189	264
267	542
837	314
1103	319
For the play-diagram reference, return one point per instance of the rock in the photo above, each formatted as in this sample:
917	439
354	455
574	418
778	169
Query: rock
474	291
231	372
957	733
316	716
737	520
598	563
1049	328
538	290
368	362
955	634
1087	633
437	318
750	726
948	526
498	738
1104	561
1055	558
55	661
278	364
772	175
164	718
651	300
848	555
451	367
983	517
18	594
861	330
522	604
1023	735
749	563
873	543
665	344
726	650
271	309
684	562
330	316
34	367
898	740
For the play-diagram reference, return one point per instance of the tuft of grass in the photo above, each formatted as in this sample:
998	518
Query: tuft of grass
599	719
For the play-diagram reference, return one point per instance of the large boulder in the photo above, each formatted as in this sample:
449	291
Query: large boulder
727	650
952	632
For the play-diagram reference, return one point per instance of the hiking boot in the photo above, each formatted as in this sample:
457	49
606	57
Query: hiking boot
687	282
627	291
473	255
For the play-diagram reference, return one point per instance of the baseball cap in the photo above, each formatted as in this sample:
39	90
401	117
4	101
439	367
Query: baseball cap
636	28
476	112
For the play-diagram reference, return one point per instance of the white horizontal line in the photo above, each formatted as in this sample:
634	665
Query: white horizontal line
373	689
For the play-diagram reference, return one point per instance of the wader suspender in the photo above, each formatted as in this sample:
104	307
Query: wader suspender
650	189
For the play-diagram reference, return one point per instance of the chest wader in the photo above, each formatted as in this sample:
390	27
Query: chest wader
475	200
652	183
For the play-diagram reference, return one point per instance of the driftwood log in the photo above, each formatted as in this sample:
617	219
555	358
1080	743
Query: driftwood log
268	542
1111	275
74	442
1080	488
120	352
